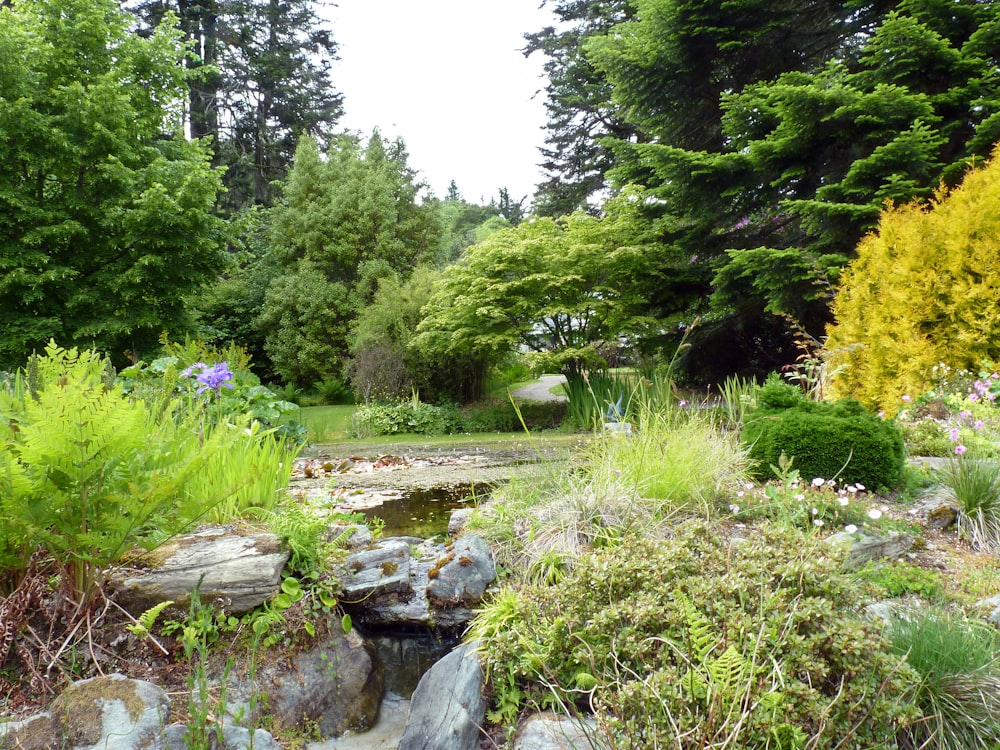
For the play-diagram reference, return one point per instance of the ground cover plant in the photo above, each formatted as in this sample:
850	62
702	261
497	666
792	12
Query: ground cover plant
714	612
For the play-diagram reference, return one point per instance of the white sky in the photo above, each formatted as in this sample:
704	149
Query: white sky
448	78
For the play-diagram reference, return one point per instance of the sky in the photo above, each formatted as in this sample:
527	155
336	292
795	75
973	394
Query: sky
448	78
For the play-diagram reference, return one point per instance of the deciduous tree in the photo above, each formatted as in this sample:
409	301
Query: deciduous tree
106	210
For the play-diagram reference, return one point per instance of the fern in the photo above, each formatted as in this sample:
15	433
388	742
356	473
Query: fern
143	626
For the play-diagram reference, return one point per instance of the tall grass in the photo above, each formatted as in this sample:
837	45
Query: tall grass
674	465
616	396
246	480
974	486
959	691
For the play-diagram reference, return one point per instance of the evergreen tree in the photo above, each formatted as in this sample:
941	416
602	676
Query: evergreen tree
264	79
344	222
106	210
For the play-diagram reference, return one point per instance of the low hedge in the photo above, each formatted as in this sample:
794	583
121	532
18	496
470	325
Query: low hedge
839	440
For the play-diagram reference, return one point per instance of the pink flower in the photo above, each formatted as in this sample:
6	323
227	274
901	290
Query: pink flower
953	435
906	399
977	425
960	449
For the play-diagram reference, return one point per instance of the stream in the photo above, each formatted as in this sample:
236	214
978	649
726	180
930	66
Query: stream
411	489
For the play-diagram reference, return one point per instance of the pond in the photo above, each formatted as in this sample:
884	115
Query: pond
425	512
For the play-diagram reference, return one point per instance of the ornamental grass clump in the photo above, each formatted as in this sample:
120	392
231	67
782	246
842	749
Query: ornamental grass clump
958	693
973	486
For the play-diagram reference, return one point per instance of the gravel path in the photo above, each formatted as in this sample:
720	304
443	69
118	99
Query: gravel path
539	391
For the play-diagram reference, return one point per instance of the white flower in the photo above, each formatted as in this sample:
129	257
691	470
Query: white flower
844	502
815	512
739	494
734	508
850	528
874	514
817	522
819	482
800	497
860	487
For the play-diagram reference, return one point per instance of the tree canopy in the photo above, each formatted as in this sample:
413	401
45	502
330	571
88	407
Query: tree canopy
106	210
767	136
345	220
571	287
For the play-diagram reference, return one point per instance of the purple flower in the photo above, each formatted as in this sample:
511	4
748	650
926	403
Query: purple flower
960	449
193	369
977	425
953	435
215	377
906	399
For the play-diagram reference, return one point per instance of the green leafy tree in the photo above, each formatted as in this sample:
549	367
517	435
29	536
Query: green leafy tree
106	212
558	286
923	289
344	222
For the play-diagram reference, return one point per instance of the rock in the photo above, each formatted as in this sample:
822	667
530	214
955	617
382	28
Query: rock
404	582
111	713
236	573
352	537
936	511
458	520
864	548
993	601
548	731
175	737
447	708
462	574
335	685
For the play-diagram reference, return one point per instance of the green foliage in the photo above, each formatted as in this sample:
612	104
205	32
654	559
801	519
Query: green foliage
959	690
973	485
107	209
88	474
922	293
830	440
900	578
344	222
756	641
804	505
566	287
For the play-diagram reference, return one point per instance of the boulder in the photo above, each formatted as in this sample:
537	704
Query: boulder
549	731
410	582
235	572
935	511
335	685
447	709
112	713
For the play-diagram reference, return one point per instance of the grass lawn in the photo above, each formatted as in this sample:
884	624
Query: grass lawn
326	424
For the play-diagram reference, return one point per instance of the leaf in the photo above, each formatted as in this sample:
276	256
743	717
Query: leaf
346	623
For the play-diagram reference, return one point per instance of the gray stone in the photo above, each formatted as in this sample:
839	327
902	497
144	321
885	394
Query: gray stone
935	511
864	548
458	520
175	737
336	684
463	573
352	537
110	713
548	731
993	601
236	573
402	581
447	708
380	568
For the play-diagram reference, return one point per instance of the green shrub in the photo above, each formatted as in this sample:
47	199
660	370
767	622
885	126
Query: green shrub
830	440
901	578
411	416
698	643
86	473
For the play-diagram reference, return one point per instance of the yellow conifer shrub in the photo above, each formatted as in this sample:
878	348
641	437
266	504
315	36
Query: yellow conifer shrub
924	289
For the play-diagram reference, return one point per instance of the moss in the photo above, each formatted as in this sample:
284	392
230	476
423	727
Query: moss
389	567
